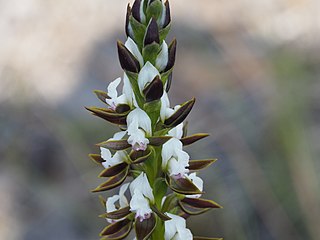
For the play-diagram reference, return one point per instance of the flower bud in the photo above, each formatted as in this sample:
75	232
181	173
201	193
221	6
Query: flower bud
154	90
167	19
152	33
127	29
127	61
137	11
172	55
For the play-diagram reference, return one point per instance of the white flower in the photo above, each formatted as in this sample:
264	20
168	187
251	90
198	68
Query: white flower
123	202
162	59
118	157
138	140
146	75
198	182
174	160
126	98
166	111
139	125
142	185
133	48
142	195
175	229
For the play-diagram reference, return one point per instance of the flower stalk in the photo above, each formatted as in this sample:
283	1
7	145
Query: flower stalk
147	155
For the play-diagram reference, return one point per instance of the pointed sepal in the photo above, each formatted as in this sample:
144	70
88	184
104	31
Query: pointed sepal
196	206
140	156
114	170
118	214
158	141
154	90
172	55
145	228
160	214
109	115
193	138
113	182
127	61
168	14
152	33
195	165
182	186
180	115
117	230
101	95
96	158
116	145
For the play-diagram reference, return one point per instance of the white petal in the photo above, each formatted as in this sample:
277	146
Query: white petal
140	205
141	184
133	48
140	118
105	154
123	200
112	88
162	59
142	15
127	90
163	15
176	132
183	234
176	228
138	141
196	181
169	150
110	203
118	157
176	168
146	75
165	105
118	135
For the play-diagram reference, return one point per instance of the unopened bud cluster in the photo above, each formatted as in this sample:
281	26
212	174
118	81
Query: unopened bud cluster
159	183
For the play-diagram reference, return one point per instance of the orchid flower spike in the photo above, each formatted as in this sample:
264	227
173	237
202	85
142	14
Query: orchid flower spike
148	153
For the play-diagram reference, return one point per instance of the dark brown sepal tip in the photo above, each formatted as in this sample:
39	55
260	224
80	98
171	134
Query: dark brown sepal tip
172	55
128	19
169	81
127	61
152	34
136	10
117	230
180	115
168	14
154	90
145	227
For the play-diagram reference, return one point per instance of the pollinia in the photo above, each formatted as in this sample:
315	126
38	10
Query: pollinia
159	186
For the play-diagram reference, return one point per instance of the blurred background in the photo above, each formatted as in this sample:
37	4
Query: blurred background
254	67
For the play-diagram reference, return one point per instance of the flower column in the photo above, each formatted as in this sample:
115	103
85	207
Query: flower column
148	151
